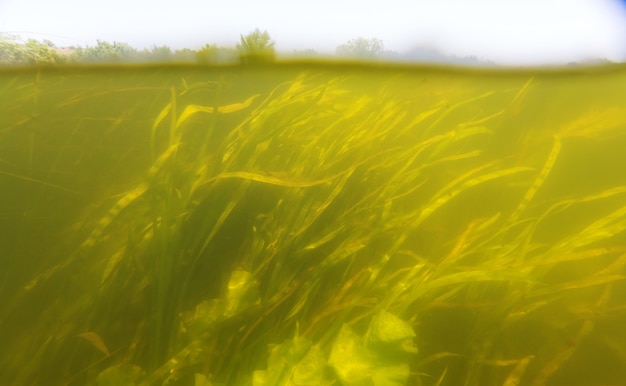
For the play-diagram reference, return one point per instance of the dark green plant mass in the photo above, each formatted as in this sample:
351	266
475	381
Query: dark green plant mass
312	225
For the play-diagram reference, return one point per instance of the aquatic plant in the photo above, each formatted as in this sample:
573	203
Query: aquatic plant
329	231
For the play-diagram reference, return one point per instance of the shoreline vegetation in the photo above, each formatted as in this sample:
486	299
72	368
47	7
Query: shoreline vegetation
255	47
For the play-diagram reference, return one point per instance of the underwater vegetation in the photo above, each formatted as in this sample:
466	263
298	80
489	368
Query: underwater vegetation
312	225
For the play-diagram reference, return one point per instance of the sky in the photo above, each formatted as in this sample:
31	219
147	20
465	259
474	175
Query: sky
502	31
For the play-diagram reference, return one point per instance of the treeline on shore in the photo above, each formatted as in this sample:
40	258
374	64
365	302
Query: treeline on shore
256	46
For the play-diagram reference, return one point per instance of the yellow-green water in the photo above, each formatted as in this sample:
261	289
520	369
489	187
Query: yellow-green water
312	224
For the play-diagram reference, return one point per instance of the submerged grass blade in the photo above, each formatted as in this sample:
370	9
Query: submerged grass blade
271	180
226	109
541	177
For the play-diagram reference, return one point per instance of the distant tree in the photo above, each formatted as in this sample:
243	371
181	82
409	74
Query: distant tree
257	46
41	53
29	53
10	51
207	54
361	48
185	55
212	53
161	53
104	52
308	53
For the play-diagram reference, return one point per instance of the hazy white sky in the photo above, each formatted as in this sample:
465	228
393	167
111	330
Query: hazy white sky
504	31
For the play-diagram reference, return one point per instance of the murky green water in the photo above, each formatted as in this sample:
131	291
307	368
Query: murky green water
312	225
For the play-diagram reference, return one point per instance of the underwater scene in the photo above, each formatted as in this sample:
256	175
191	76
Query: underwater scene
312	224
